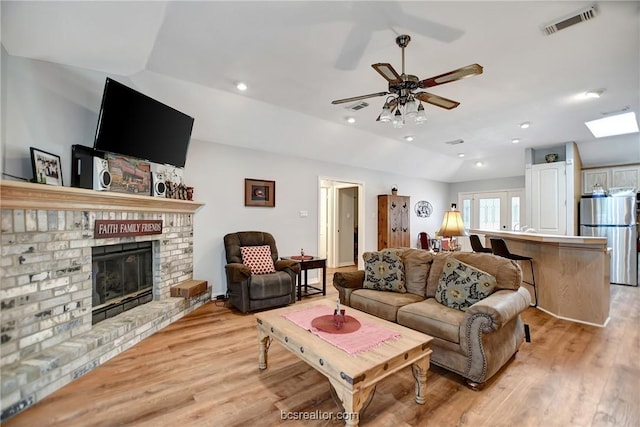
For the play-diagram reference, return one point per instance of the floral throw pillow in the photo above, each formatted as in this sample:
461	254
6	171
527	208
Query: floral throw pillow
384	271
258	259
462	285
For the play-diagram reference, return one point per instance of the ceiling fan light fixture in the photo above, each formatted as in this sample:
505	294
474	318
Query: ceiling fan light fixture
402	90
410	110
421	116
386	116
398	121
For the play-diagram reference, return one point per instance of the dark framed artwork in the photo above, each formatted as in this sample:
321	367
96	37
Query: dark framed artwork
46	167
259	193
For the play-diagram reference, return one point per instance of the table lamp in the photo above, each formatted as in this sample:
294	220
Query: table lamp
452	226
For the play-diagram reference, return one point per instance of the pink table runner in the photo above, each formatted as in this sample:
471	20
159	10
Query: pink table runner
367	337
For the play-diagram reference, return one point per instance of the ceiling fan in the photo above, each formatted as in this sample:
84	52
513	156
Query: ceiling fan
402	89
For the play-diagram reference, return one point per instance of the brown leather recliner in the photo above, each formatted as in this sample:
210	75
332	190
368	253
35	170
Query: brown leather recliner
248	292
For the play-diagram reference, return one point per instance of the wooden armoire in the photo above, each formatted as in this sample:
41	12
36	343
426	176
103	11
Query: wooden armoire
393	221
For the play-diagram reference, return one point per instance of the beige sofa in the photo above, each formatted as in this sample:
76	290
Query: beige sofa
474	343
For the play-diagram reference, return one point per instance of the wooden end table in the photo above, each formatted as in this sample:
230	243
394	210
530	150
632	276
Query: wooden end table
353	378
310	263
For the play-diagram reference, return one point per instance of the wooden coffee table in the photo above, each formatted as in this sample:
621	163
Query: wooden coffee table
353	377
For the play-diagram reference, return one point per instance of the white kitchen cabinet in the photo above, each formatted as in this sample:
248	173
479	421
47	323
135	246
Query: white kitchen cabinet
553	190
625	176
609	177
591	177
549	198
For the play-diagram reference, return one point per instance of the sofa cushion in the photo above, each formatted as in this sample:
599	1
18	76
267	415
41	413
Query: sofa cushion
258	259
432	318
507	272
381	304
462	285
417	263
384	271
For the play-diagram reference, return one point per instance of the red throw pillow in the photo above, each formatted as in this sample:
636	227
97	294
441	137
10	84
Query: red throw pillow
258	259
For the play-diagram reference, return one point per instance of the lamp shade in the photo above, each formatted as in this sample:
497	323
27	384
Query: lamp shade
452	224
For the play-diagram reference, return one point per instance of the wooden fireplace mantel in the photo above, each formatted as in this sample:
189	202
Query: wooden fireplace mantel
26	195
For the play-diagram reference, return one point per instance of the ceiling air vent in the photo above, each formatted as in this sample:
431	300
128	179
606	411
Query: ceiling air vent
576	18
358	106
455	142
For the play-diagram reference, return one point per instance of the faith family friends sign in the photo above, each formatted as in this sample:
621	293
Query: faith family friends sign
106	228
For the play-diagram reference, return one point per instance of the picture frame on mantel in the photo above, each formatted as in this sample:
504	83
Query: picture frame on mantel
47	168
259	193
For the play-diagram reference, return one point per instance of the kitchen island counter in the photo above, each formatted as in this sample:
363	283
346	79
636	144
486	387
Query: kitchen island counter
571	272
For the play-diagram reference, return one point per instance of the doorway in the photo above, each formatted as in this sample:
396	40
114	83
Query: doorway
341	222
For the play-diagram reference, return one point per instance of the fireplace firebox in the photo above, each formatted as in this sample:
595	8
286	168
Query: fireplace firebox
122	278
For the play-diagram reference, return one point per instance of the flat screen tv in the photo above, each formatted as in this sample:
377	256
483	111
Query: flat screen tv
133	124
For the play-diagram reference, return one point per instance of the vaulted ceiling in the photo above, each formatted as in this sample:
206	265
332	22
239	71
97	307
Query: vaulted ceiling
296	57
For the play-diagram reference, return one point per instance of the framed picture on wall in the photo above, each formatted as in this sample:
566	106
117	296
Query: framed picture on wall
46	167
259	193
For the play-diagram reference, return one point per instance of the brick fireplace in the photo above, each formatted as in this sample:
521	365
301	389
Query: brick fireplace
46	286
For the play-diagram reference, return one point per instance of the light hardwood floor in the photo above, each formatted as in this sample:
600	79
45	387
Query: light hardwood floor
203	371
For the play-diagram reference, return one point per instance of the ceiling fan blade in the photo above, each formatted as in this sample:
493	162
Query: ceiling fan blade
460	73
436	100
388	72
358	98
353	49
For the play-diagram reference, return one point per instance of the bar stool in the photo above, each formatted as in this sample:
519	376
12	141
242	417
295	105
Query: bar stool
476	245
499	247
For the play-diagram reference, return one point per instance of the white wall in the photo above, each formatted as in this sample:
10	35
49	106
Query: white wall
485	185
218	171
52	107
48	106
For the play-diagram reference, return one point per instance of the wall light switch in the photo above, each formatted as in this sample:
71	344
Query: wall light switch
304	214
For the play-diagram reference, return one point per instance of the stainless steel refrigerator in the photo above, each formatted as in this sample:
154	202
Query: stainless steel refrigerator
614	218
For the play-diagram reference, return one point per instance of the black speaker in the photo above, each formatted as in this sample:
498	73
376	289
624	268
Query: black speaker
89	169
158	187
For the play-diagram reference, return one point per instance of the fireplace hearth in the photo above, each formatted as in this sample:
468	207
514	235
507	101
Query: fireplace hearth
48	234
122	278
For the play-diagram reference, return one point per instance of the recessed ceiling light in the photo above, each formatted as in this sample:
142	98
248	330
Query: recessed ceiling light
596	93
515	140
408	138
351	120
619	124
241	86
461	155
525	125
479	164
